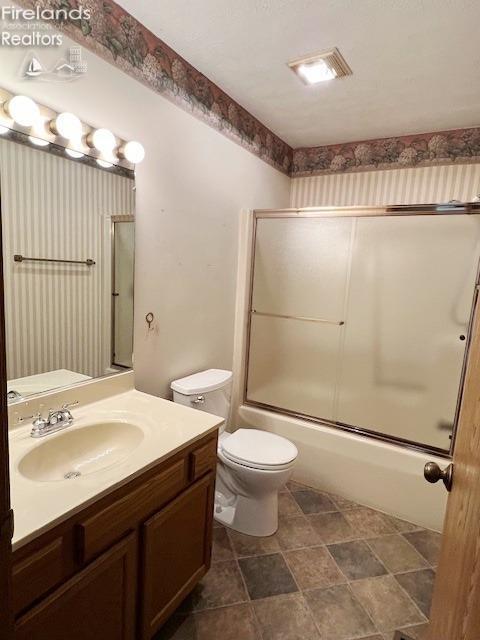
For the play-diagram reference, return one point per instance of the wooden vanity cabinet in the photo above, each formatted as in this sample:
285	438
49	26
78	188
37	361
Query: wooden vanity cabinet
117	569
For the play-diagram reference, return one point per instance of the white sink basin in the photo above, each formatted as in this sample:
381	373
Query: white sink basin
79	452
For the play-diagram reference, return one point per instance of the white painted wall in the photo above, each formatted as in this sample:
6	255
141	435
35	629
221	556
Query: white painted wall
190	190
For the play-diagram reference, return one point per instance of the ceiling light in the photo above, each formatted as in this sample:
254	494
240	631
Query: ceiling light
321	67
23	110
314	72
67	125
103	140
133	152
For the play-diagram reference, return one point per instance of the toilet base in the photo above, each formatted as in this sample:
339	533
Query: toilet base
254	517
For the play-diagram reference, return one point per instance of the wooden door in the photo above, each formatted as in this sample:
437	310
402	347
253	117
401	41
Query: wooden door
455	613
6	516
176	552
98	602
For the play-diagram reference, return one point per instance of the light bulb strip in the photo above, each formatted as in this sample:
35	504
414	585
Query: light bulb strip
68	153
44	128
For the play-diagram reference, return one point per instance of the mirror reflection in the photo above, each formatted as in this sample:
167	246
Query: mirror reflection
68	247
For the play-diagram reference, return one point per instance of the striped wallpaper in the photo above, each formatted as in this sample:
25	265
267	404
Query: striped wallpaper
392	186
57	208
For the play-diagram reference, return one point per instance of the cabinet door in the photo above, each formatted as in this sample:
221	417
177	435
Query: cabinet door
177	546
99	602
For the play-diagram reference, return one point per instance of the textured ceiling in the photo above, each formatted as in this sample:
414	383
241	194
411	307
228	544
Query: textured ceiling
416	63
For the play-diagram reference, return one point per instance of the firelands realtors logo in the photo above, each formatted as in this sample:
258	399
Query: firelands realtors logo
35	27
24	28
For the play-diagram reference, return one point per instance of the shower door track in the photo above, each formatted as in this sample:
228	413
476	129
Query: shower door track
343	426
451	208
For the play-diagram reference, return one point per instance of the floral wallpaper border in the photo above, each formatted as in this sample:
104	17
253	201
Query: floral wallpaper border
117	37
113	34
421	150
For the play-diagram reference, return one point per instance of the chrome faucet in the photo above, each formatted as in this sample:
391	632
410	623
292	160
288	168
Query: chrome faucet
13	396
57	420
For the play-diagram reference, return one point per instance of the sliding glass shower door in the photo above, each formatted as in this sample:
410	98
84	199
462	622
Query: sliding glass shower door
362	321
298	311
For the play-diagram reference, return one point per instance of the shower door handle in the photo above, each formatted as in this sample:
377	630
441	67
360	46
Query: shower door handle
433	473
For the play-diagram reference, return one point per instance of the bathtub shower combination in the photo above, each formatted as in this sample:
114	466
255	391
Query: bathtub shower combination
359	320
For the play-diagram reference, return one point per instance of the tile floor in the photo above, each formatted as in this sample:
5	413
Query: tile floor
333	571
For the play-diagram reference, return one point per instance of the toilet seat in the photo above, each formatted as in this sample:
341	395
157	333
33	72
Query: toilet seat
258	449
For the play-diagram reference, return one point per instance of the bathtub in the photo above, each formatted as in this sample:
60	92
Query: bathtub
380	475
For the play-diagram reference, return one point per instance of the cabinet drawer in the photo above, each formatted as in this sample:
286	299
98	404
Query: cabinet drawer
203	459
107	526
36	574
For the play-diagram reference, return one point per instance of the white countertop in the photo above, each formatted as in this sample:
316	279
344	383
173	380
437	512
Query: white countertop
40	382
168	427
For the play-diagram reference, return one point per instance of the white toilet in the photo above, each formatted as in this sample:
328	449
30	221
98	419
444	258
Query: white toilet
253	465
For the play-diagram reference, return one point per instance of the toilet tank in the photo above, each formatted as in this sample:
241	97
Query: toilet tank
208	391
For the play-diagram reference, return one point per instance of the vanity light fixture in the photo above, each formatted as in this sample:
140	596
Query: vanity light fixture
320	67
102	140
66	131
67	125
23	110
133	152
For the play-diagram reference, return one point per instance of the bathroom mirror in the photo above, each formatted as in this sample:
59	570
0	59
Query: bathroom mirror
68	256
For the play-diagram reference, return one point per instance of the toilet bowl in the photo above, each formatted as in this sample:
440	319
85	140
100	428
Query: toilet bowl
253	465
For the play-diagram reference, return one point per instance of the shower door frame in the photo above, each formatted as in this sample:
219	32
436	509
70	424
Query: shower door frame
357	212
114	220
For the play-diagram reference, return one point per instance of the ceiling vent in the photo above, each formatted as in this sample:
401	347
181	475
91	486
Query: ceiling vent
320	67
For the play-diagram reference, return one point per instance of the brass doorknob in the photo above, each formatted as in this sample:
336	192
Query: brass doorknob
433	473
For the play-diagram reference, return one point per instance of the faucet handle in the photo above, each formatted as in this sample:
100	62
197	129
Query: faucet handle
38	425
39	421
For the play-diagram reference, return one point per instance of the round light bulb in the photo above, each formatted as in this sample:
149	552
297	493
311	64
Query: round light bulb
103	140
23	110
104	164
74	154
67	125
38	141
134	152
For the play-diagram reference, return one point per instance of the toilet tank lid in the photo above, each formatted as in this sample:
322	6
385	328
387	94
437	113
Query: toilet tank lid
202	382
